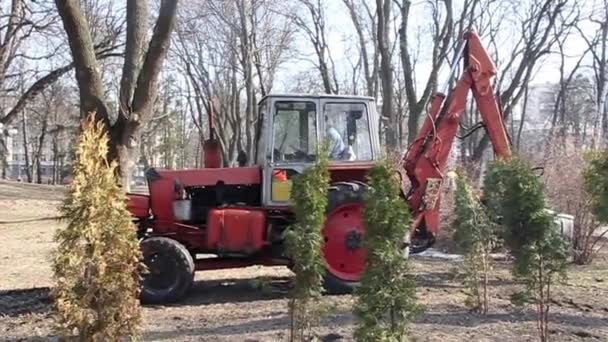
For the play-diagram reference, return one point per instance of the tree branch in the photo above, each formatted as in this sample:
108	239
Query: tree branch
137	25
159	44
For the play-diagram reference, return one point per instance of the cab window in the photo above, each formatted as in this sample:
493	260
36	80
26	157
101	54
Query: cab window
294	131
347	131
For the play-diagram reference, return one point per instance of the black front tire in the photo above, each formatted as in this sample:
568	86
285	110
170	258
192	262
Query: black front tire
170	270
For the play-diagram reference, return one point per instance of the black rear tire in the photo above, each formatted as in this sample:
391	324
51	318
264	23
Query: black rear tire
419	245
170	272
340	194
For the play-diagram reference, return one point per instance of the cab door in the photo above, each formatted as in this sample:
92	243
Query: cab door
292	145
350	127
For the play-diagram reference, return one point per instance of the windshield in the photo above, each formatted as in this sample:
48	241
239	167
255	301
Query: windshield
295	131
347	129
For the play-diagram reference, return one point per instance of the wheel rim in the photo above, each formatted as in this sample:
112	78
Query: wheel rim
161	275
343	248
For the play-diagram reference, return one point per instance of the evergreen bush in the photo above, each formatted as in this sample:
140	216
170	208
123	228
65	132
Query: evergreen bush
386	298
97	262
474	234
304	241
517	199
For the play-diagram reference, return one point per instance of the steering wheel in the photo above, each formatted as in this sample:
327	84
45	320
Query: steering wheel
301	154
278	155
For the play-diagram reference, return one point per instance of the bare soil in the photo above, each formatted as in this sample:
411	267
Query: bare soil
251	304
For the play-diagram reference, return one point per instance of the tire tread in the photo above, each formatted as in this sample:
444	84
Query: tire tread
185	266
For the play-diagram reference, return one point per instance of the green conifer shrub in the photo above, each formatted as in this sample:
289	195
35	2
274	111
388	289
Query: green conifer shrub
474	234
596	183
517	199
304	241
97	260
386	298
587	230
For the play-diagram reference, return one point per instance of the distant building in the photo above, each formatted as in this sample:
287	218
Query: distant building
539	108
537	116
55	155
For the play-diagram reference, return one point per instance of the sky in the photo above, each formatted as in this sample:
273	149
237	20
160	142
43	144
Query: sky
343	44
342	41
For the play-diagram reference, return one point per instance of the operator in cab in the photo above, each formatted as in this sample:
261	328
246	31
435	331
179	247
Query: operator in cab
336	144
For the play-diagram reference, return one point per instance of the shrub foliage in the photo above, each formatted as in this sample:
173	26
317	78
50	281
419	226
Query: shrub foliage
97	260
303	245
530	231
474	233
596	184
386	298
577	194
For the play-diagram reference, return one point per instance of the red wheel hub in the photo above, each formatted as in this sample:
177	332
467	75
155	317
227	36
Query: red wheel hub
343	249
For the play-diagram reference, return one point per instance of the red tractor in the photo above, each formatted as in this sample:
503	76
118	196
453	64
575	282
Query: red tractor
240	215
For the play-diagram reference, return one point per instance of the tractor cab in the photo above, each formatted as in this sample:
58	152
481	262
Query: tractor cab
292	128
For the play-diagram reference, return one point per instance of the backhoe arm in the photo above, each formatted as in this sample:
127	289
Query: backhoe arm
426	158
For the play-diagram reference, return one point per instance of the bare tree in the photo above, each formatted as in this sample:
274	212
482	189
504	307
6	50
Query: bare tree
19	22
27	20
311	21
24	72
383	12
597	44
442	34
49	116
364	21
26	146
139	79
562	116
540	28
230	59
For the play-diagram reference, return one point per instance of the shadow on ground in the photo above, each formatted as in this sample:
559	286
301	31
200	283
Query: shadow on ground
249	327
18	302
28	301
223	291
458	318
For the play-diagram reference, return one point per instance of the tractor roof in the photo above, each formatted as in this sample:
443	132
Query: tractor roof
320	96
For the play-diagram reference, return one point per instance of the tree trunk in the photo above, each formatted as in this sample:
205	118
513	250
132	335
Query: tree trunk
136	111
523	118
26	150
56	171
3	153
87	69
39	151
601	66
247	64
383	10
126	164
8	43
441	44
137	20
41	141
